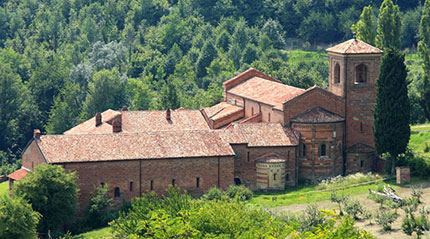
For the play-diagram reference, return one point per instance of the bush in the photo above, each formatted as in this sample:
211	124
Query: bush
386	218
213	193
419	165
417	193
353	208
97	211
339	199
241	192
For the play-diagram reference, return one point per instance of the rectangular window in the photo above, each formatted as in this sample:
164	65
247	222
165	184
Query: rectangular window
287	177
173	182
247	156
131	186
268	117
361	163
102	184
197	182
361	126
151	185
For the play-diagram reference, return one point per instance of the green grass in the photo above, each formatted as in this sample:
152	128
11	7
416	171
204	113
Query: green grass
420	127
95	234
418	144
307	194
4	188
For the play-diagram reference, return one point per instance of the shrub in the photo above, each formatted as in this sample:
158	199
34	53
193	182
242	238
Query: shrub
312	218
241	192
213	193
386	218
339	199
417	193
97	211
426	148
353	208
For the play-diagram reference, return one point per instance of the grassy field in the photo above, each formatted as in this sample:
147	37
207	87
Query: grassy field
420	140
95	234
4	188
420	127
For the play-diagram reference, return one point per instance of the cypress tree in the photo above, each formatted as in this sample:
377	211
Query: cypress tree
169	98
424	51
389	26
365	27
392	110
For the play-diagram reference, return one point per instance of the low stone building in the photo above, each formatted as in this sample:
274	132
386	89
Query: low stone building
265	135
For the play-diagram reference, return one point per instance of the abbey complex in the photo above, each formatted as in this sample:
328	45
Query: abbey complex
264	135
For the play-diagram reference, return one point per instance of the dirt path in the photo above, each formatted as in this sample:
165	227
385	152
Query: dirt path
371	206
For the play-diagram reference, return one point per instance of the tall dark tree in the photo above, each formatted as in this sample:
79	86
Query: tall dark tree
392	108
169	98
424	51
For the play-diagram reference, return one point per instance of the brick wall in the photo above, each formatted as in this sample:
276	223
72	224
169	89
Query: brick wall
32	156
246	169
311	99
312	166
121	173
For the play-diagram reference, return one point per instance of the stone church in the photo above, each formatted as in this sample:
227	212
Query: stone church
265	135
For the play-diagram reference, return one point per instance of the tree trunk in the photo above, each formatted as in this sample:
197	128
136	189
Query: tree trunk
393	164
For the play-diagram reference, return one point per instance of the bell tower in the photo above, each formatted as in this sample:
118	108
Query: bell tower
353	70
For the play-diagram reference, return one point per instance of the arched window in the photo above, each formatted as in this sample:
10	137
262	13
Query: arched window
361	73
337	73
287	177
323	150
116	193
274	177
237	181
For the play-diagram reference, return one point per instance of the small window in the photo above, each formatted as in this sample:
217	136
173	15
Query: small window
288	156
337	73
252	110
247	156
287	177
102	184
304	150
361	74
131	186
32	165
323	150
237	181
268	116
116	193
197	182
361	126
173	182
151	185
361	163
274	177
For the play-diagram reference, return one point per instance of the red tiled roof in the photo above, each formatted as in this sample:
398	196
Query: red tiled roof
318	115
354	46
89	126
259	135
18	174
265	91
360	148
123	146
251	72
221	110
144	121
151	121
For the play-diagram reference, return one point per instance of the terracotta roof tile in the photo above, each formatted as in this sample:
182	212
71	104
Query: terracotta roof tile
354	46
123	146
266	91
89	126
18	174
259	135
221	110
150	121
318	115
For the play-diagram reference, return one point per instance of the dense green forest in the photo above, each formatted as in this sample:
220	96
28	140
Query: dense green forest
61	61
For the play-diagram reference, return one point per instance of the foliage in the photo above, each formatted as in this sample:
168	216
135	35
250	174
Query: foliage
152	217
17	218
98	213
240	192
424	52
213	193
365	28
385	218
354	208
389	26
344	181
391	127
52	192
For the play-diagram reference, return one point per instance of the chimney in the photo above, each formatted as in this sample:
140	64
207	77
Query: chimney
124	108
116	126
98	119
36	133
168	117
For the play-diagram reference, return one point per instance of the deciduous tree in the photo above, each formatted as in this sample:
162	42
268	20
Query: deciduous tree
365	27
424	51
389	26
